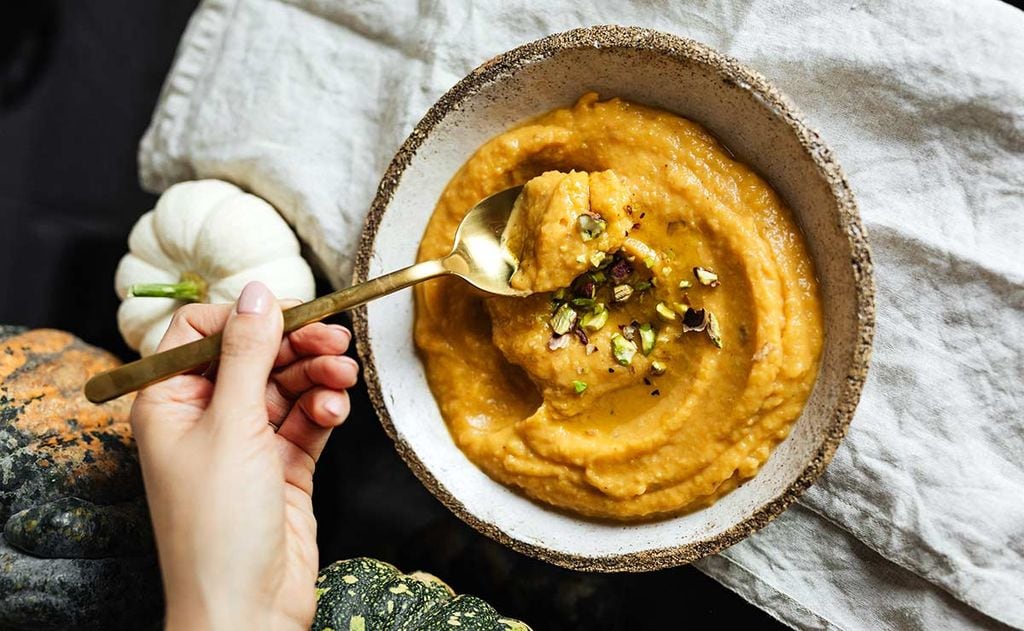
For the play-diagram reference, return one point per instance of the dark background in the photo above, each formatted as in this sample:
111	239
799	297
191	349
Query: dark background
78	83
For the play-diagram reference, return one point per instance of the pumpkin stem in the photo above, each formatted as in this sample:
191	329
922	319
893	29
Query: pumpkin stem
191	288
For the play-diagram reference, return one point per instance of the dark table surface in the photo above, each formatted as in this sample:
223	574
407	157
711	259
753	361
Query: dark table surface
78	83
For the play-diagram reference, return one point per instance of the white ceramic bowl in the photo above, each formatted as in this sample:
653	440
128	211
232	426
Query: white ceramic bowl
764	130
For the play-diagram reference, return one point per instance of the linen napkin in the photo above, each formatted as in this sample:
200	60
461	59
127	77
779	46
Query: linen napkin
919	520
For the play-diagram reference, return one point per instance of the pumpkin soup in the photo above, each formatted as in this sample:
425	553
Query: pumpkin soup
674	329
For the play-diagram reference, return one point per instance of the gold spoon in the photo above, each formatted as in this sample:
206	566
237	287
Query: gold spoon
477	257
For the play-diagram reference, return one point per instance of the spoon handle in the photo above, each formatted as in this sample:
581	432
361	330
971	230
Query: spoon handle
157	367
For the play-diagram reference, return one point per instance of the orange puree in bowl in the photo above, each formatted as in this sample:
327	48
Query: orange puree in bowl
674	331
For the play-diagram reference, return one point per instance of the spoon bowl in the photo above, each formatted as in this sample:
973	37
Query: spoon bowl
477	257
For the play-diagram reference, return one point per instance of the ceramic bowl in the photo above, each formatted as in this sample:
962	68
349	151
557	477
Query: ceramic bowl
756	123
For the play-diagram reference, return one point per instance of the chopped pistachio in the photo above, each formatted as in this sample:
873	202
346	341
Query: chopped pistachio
706	276
622	293
596	319
714	330
558	342
695	319
579	386
584	303
581	258
658	368
643	285
598	277
650	261
597	258
590	226
622	349
563	320
560	294
666	270
628	331
685	284
665	311
646	338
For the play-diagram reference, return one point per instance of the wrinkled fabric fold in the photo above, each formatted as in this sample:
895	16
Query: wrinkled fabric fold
919	520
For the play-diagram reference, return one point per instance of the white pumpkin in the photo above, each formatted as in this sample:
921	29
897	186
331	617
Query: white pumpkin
202	243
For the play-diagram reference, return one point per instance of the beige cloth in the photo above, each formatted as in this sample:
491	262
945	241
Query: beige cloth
919	521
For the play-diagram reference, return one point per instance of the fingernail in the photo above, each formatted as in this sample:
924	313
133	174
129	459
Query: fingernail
334	406
342	330
255	299
349	360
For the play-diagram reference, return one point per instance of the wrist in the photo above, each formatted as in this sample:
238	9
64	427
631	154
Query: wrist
197	615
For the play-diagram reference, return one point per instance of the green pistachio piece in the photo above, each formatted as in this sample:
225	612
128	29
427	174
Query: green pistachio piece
658	368
622	293
596	319
665	311
563	320
579	386
685	284
706	276
714	330
646	338
622	349
590	226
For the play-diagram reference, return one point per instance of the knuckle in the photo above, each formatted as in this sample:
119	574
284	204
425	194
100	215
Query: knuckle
248	336
241	342
184	315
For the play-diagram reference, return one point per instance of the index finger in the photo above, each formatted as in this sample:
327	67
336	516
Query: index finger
194	322
197	320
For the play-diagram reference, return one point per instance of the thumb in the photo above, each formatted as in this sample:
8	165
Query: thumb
252	339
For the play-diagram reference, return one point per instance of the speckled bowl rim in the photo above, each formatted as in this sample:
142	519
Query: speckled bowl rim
611	37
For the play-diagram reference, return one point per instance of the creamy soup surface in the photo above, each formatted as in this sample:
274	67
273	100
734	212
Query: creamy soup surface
673	333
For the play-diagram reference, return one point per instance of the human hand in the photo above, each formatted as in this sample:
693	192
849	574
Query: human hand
230	499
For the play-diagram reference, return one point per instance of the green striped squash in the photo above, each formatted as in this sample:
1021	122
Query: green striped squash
370	595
